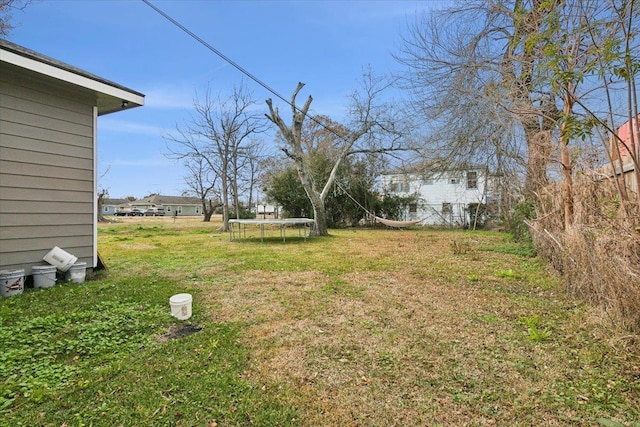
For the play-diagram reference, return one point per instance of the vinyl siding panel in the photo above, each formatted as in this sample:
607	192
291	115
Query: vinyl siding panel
45	92
44	123
19	207
14	180
35	134
57	112
43	231
71	148
38	218
46	169
43	171
34	158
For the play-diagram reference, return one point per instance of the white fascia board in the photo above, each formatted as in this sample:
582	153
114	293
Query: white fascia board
69	77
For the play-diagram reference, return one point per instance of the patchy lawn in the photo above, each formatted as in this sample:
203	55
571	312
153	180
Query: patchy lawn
362	328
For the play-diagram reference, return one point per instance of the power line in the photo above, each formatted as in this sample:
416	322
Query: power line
241	69
217	52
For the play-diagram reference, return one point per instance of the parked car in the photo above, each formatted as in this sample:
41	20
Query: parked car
157	211
121	213
135	212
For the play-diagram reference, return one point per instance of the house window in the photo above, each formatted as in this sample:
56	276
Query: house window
168	208
446	208
427	179
179	209
197	209
399	187
413	207
105	209
472	179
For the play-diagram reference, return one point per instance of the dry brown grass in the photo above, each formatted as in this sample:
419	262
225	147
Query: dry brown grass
402	328
599	256
405	338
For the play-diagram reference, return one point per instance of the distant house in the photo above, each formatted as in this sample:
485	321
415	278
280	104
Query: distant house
443	197
264	211
111	206
48	125
173	205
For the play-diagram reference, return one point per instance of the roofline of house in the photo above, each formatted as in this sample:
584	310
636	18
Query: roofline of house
14	54
421	169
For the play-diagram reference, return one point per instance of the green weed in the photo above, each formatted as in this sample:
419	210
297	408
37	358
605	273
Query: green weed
534	333
510	274
523	249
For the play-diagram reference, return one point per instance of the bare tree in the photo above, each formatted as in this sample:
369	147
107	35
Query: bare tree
479	86
242	173
525	82
7	7
203	182
245	170
103	193
218	133
373	129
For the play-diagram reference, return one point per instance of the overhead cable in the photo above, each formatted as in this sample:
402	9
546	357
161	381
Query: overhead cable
240	68
217	52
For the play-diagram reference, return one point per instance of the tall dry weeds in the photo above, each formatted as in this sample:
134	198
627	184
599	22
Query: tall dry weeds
599	255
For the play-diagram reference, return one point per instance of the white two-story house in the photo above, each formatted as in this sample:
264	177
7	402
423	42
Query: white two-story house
443	197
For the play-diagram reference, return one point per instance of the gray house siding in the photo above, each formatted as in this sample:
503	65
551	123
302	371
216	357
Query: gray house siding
183	210
111	206
183	205
46	168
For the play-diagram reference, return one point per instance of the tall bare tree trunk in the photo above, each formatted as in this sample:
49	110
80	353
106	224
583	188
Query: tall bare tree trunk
565	159
539	149
225	202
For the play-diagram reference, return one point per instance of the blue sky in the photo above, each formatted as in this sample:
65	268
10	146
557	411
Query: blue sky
324	44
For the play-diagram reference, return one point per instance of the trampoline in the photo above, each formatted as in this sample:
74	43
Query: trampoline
303	224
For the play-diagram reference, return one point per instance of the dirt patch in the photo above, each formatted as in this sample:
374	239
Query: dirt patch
179	331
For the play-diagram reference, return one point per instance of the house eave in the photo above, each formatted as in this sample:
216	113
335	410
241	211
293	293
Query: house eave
110	96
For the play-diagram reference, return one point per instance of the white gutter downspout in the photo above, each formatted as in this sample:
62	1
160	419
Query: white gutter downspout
95	186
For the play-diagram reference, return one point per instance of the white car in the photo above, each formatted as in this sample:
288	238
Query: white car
158	211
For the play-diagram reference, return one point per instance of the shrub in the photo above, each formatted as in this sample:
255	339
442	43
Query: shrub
523	211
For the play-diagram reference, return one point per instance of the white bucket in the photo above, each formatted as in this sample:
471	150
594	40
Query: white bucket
62	259
181	306
11	282
44	276
76	273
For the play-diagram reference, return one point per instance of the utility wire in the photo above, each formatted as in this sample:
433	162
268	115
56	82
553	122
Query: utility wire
240	68
217	52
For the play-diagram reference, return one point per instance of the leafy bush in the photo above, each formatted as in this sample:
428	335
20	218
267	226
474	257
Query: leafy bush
477	213
522	212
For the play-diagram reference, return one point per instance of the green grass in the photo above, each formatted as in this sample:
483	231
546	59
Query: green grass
363	328
512	248
89	355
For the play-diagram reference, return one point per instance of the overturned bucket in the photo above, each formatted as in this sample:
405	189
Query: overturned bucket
62	259
76	273
44	276
181	306
11	282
